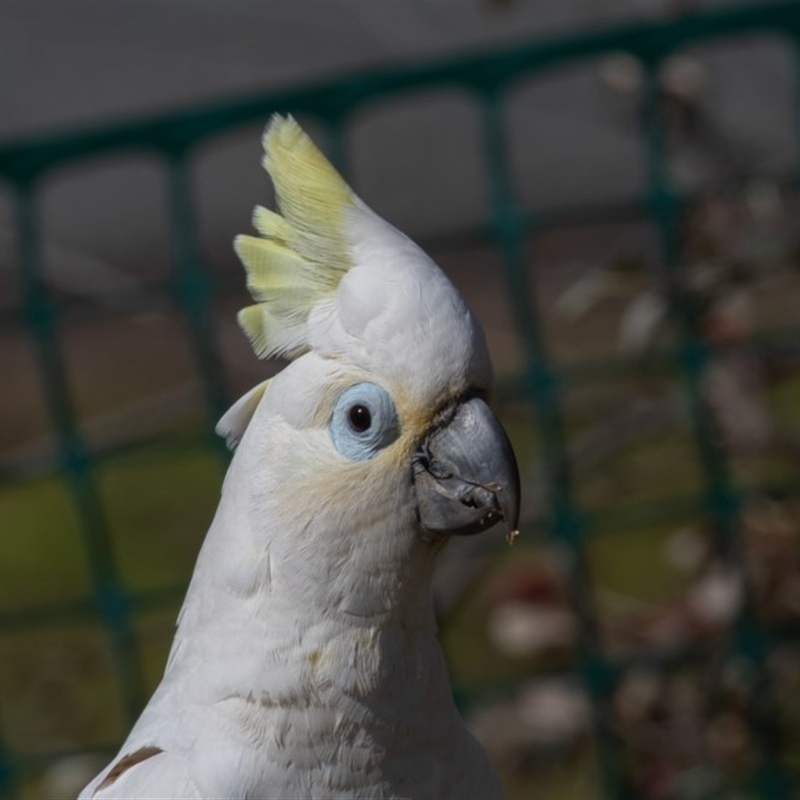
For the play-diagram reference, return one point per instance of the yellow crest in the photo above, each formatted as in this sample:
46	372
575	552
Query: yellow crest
301	253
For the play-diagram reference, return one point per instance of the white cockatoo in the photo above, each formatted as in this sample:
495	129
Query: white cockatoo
305	662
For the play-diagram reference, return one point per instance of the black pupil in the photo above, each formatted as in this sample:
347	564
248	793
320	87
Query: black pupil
360	418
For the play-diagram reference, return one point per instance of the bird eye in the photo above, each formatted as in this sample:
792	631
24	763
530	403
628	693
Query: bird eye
364	421
360	418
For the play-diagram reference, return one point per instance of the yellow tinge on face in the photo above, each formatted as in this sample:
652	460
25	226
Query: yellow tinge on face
355	493
415	420
447	469
414	417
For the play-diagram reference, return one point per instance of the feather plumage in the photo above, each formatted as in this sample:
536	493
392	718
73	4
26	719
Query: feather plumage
302	253
305	663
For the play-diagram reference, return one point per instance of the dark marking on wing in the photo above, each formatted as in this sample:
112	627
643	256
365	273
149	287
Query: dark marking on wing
125	763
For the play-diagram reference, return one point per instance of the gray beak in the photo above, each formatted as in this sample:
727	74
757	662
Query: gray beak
465	473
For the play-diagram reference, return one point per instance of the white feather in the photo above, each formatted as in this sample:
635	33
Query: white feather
306	662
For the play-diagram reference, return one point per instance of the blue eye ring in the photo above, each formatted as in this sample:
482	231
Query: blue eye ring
364	421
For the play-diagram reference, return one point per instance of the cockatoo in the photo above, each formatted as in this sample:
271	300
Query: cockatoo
305	662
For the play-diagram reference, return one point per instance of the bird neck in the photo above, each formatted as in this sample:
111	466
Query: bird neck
250	626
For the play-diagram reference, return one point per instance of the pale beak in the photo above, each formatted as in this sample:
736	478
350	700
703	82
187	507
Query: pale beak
465	473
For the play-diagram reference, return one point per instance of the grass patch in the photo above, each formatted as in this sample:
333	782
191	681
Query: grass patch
632	563
159	512
41	549
59	690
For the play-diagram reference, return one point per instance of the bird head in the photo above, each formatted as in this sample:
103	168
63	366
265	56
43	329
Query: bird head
376	442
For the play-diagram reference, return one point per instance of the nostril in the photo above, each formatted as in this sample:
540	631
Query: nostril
474	496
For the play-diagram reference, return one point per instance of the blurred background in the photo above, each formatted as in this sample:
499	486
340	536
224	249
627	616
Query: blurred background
613	186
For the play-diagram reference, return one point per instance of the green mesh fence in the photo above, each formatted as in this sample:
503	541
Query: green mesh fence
487	78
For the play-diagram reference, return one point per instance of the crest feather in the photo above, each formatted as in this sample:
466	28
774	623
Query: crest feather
271	335
236	419
302	252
